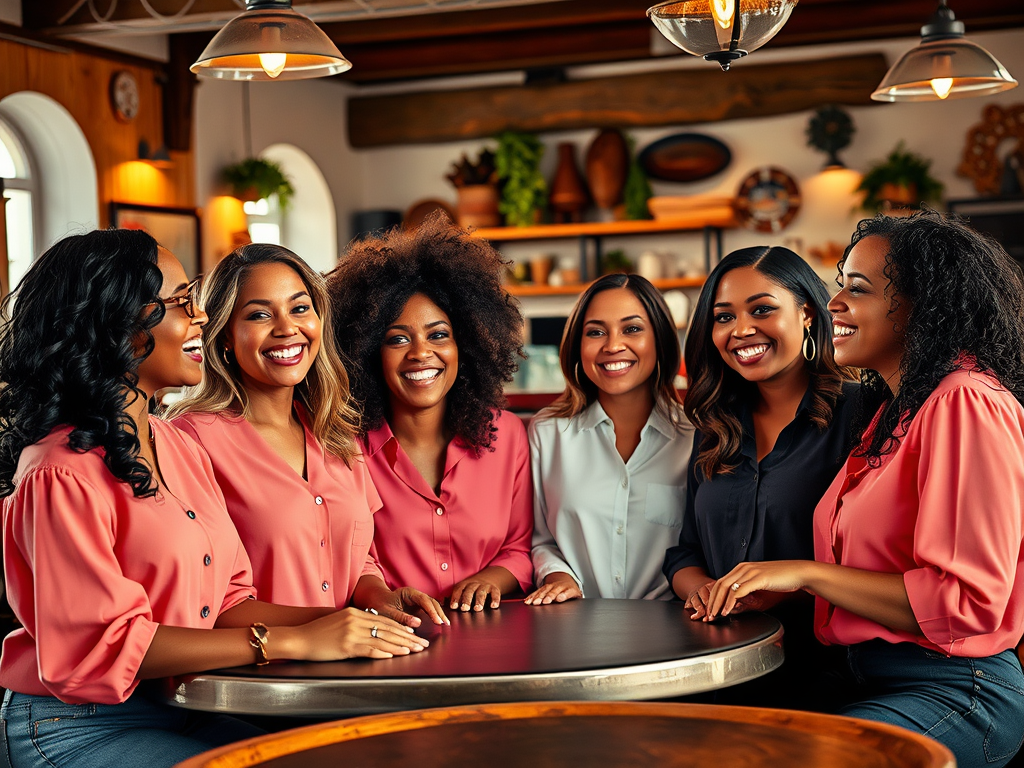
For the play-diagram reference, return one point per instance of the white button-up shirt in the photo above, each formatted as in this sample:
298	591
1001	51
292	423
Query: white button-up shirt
604	521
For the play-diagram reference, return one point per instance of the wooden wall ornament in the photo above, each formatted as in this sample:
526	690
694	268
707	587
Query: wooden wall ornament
767	200
679	97
124	95
981	161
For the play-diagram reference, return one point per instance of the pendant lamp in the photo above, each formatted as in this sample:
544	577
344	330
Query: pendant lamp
946	65
720	30
270	41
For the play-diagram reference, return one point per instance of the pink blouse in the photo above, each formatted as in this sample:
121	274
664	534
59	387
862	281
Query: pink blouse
945	509
106	568
309	540
483	517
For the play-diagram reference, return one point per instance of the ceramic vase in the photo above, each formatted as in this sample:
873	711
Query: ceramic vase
607	166
568	191
478	206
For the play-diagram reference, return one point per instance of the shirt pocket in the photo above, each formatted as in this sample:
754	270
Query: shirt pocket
664	504
362	532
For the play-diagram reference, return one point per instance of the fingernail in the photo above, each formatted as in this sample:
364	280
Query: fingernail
454	605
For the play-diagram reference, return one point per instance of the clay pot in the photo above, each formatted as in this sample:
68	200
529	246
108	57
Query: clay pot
568	191
607	167
478	206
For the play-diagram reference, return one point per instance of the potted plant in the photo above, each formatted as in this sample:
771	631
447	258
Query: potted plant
638	188
901	180
477	186
256	178
524	193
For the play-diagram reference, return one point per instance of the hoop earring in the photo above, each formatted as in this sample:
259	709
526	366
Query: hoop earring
810	349
657	372
576	372
224	354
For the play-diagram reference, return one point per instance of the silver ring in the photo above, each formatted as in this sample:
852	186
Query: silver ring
371	610
373	631
735	587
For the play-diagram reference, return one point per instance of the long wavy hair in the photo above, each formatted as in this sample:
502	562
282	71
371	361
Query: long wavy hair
72	336
716	391
965	296
462	275
325	390
580	391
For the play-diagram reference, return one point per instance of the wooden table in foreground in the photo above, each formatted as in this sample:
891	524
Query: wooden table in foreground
591	734
580	650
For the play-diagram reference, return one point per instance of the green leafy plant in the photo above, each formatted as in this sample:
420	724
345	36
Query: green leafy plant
901	170
256	178
524	192
637	191
615	261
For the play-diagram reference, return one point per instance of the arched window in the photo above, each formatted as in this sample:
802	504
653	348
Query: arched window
22	202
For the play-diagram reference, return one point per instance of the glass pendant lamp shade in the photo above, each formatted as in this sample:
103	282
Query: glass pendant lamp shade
721	30
270	41
944	66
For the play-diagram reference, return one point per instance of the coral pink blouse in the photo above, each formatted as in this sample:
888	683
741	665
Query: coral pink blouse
945	509
483	517
309	540
92	570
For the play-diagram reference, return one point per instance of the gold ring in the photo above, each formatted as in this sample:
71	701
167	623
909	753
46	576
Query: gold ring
735	586
373	631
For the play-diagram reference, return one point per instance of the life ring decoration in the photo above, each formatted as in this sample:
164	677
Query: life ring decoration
767	200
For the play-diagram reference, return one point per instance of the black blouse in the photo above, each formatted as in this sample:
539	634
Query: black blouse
762	512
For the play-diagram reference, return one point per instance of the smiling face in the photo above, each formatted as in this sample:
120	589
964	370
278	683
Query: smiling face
274	331
758	327
419	356
177	356
618	351
868	325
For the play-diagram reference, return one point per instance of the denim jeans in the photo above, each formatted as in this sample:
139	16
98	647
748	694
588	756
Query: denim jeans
44	732
975	707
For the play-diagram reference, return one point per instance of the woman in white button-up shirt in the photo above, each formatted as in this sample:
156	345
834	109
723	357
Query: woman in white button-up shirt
610	455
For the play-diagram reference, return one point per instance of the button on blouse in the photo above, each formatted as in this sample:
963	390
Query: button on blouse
108	568
483	516
309	541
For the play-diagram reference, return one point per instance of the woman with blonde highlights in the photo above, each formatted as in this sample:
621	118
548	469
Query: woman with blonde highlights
273	412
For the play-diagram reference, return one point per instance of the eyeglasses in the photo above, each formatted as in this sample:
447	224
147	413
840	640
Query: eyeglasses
186	301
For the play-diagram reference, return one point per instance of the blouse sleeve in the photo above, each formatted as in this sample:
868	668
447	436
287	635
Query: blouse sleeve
547	557
373	501
93	625
514	554
968	532
689	551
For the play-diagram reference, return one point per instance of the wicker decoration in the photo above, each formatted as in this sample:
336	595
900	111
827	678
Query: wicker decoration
981	161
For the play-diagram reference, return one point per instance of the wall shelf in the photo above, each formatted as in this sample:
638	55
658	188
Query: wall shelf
664	284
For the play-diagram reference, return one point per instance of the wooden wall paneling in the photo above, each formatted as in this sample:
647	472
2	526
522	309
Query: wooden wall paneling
656	98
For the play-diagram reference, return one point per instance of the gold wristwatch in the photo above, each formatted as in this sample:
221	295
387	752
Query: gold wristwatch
259	639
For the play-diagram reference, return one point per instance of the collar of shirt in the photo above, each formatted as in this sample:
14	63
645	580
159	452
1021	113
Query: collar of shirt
384	439
748	447
594	415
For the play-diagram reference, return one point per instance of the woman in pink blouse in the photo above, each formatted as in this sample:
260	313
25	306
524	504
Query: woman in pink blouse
121	561
433	337
273	413
918	540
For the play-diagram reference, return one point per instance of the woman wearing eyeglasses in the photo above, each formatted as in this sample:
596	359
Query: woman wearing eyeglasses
122	563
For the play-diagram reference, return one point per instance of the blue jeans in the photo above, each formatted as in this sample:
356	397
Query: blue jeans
44	732
975	707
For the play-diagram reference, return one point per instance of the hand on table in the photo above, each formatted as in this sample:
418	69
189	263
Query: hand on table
346	634
558	587
396	602
473	593
745	579
698	600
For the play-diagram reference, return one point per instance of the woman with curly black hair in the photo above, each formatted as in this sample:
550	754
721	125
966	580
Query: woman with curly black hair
433	338
918	539
121	560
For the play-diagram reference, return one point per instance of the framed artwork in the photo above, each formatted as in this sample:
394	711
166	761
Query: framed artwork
176	229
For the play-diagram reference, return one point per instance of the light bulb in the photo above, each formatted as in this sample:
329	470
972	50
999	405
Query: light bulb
273	63
723	11
941	86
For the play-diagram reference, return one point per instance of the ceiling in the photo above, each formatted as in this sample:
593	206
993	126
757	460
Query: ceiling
389	40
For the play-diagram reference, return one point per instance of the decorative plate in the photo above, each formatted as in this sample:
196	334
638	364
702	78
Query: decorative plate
767	200
419	211
685	157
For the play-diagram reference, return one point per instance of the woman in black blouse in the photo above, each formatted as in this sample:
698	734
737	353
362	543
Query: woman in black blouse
773	410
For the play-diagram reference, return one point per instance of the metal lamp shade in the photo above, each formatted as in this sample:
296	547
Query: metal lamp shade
721	30
953	68
271	39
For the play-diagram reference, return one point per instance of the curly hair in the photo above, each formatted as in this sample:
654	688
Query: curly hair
964	296
70	340
463	276
715	390
580	391
325	390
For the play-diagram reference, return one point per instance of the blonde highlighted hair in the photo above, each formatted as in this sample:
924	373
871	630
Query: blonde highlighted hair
325	390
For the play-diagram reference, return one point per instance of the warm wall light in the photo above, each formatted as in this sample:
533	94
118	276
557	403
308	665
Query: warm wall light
270	41
720	30
945	65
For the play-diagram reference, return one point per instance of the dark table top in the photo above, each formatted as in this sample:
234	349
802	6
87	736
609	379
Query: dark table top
582	649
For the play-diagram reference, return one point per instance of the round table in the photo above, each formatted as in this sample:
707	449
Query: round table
589	649
592	734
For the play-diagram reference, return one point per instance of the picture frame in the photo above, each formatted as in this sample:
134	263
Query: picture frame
176	229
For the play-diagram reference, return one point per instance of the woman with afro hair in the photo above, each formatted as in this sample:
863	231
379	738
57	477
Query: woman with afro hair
432	338
917	542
